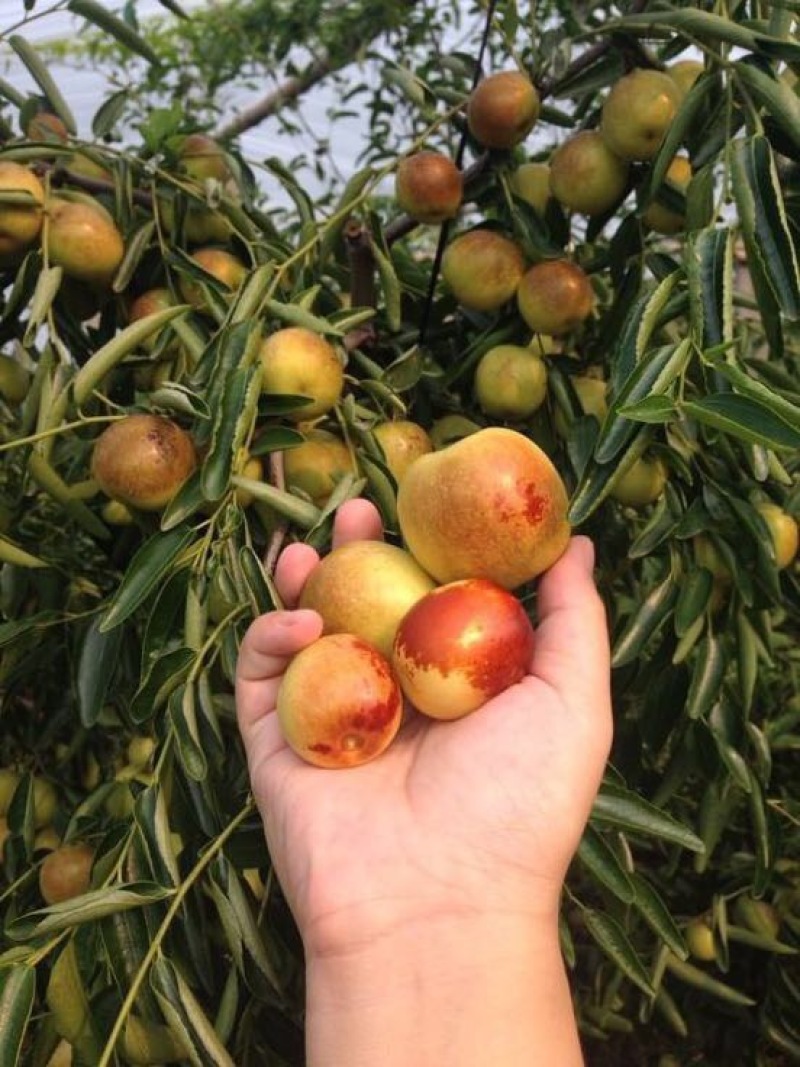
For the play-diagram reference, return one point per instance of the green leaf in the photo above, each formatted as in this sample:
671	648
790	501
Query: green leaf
699	979
17	992
657	916
299	316
703	26
708	260
746	385
636	331
161	677
232	424
691	106
653	409
645	622
183	716
149	566
653	375
613	940
600	860
186	1017
780	101
693	599
96	665
86	908
707	675
743	417
759	201
41	75
114	26
617	806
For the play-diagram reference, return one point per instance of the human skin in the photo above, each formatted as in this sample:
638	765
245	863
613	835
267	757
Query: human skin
426	883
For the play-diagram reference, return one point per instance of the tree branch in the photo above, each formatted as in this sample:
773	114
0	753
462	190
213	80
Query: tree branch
285	93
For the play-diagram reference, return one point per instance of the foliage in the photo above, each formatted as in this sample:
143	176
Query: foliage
118	634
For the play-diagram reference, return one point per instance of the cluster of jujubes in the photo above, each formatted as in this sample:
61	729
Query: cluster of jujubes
436	622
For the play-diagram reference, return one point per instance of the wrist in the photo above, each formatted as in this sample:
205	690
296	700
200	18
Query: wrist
458	990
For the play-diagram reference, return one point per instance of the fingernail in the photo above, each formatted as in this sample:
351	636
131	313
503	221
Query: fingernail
584	546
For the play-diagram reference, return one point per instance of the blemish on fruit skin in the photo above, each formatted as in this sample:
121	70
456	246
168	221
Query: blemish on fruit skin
324	750
535	503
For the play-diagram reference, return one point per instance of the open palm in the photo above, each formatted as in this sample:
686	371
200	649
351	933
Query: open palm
481	813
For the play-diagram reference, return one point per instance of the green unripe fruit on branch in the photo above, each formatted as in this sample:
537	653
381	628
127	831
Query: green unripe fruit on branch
482	269
637	113
586	176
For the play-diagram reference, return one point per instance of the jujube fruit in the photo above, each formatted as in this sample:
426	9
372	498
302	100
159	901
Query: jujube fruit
339	705
531	183
365	588
402	442
658	216
201	157
482	269
586	176
555	297
461	645
224	266
297	361
429	187
642	483
783	531
638	112
502	109
66	872
143	460
491	505
317	465
20	224
510	382
83	240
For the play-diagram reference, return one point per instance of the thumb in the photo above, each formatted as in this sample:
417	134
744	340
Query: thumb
572	653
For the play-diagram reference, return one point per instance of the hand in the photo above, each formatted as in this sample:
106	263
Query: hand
478	815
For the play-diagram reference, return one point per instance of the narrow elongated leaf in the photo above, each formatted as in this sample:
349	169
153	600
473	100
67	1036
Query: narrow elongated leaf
152	562
709	670
702	980
232	424
597	479
637	329
106	20
746	385
98	660
69	1004
657	916
613	940
692	104
708	259
745	418
759	201
162	676
17	990
653	375
88	907
298	316
692	599
41	75
183	715
186	1017
601	860
645	622
622	808
705	26
781	103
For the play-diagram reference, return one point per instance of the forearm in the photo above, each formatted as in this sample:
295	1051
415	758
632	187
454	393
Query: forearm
457	994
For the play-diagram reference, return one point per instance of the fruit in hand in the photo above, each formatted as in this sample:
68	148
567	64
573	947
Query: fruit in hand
365	588
586	176
66	872
143	460
510	382
637	113
19	223
555	297
658	216
482	269
783	531
491	505
299	362
84	240
339	705
461	645
503	109
429	187
402	441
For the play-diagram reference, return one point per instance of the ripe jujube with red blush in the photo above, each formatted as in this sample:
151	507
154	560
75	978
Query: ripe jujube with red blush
461	645
339	705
